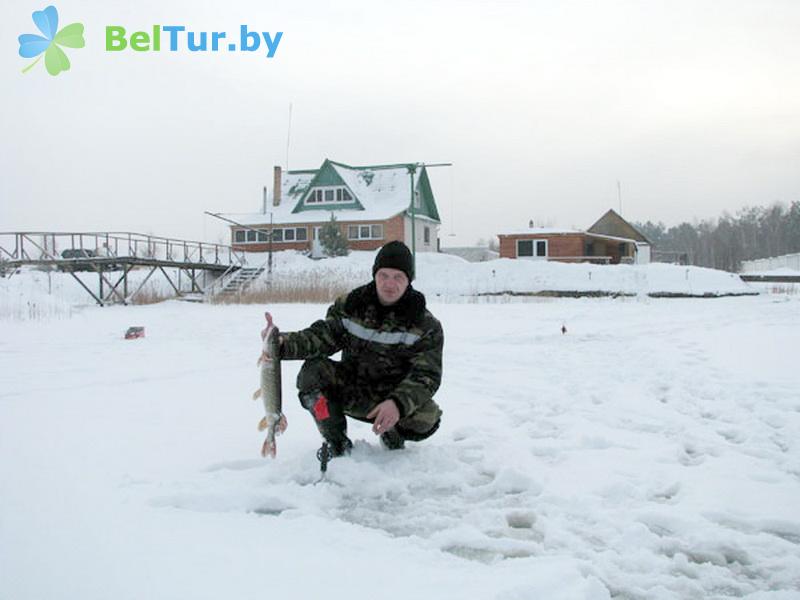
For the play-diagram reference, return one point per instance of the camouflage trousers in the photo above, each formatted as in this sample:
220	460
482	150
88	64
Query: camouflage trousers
329	394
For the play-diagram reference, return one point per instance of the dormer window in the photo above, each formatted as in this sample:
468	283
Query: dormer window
323	195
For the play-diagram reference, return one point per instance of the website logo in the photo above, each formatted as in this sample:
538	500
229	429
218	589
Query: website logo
179	37
50	42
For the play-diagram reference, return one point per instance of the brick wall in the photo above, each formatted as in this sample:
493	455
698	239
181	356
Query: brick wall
572	244
508	246
566	245
392	230
276	246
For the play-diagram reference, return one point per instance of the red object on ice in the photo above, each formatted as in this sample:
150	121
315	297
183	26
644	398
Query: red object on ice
134	333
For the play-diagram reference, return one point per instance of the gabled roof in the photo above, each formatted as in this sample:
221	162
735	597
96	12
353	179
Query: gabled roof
611	224
327	175
379	192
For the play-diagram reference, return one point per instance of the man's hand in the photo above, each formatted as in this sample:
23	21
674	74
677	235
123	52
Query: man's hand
386	416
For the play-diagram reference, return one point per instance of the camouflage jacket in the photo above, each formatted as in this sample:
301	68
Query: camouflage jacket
390	352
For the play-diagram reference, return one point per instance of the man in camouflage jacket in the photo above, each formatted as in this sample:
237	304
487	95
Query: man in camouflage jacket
391	359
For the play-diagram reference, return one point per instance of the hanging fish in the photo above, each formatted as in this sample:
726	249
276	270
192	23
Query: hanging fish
274	422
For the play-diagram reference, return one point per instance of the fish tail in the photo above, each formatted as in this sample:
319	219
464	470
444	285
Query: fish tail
269	447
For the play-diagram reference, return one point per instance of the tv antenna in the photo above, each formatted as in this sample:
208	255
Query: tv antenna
288	136
452	203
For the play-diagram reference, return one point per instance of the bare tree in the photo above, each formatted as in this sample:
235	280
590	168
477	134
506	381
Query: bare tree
755	232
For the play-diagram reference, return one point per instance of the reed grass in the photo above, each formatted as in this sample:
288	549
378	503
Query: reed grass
308	292
151	296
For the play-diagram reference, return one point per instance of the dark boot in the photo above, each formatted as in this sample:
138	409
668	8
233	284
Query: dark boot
392	440
335	449
330	421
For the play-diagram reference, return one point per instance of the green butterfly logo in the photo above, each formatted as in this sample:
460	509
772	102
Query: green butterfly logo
55	60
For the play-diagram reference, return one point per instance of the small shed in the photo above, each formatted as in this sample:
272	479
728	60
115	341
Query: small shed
610	240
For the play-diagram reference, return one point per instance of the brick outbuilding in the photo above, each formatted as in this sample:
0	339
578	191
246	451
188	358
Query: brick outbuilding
611	240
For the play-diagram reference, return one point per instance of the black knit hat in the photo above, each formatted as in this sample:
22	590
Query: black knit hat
395	255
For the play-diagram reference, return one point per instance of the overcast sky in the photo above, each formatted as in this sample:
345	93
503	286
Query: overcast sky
542	106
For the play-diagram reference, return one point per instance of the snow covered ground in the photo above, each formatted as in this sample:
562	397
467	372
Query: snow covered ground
651	452
450	278
32	294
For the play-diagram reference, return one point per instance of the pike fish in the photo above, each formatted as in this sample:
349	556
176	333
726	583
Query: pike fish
274	422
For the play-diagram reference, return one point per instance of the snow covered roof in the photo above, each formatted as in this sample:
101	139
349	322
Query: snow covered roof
548	231
614	238
611	226
379	192
543	231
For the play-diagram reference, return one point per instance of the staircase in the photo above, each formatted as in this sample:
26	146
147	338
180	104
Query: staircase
238	283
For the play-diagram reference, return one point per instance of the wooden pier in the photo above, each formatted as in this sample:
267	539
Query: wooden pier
112	255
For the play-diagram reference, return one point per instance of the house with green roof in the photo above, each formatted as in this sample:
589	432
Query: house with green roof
372	204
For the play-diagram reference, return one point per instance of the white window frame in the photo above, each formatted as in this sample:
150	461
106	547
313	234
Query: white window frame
534	249
359	230
262	235
294	231
337	193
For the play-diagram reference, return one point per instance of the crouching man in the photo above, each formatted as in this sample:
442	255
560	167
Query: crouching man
391	362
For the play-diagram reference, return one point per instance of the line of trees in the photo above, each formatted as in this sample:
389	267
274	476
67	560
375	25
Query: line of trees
754	232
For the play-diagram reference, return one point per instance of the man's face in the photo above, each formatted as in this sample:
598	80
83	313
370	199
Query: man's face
391	284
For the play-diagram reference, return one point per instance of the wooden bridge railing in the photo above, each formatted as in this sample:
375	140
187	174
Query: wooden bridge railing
46	246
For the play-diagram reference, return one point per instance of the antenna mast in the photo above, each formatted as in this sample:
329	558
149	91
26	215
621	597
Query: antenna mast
288	136
452	203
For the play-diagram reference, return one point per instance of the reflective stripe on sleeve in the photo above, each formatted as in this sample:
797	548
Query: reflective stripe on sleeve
382	337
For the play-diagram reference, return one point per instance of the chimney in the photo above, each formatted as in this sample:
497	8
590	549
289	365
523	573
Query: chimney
276	186
530	224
